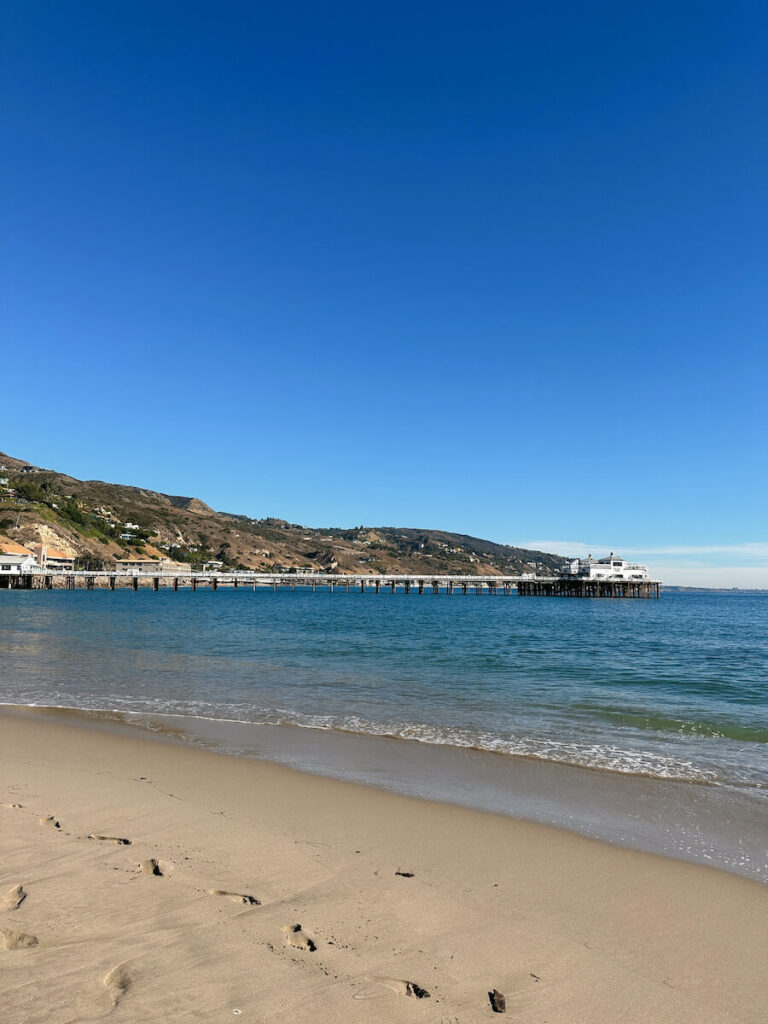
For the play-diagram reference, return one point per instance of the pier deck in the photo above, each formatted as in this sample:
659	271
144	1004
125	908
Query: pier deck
525	586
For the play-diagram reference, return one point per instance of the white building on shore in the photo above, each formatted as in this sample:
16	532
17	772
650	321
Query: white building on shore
610	568
14	557
149	563
53	558
18	563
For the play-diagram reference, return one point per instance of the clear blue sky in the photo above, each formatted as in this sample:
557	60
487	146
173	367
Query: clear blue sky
494	268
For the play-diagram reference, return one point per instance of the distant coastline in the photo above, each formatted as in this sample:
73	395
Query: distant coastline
752	591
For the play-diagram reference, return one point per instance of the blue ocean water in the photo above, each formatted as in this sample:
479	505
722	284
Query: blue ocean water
675	688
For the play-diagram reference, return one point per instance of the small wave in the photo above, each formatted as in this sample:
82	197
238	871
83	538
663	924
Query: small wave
583	755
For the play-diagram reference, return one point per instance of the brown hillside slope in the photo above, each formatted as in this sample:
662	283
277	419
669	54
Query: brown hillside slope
100	522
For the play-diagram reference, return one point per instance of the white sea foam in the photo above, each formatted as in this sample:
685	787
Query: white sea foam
607	757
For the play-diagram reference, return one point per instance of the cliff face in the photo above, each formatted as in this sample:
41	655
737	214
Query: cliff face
100	522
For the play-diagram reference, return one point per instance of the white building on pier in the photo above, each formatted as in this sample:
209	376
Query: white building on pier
610	568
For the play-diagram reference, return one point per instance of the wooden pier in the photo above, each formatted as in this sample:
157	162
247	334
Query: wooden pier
524	586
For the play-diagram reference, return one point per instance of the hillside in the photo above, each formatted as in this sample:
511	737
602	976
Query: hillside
98	522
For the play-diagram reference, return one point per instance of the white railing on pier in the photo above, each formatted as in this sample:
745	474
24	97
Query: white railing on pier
335	579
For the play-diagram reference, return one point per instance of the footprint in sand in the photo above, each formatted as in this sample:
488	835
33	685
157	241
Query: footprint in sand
17	940
150	867
406	988
111	839
398	985
50	821
296	936
14	898
117	983
236	897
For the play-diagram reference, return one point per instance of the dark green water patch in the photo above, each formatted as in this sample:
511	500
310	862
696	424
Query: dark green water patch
684	727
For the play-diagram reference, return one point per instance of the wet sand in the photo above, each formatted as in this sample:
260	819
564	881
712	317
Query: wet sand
722	826
150	881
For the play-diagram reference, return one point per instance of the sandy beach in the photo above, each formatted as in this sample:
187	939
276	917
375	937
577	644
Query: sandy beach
148	881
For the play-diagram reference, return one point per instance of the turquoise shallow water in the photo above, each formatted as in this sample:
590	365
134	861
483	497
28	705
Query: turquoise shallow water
675	688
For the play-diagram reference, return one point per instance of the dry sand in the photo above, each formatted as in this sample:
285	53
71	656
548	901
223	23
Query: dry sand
145	881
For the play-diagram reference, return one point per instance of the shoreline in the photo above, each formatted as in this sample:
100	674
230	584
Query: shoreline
706	823
388	890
